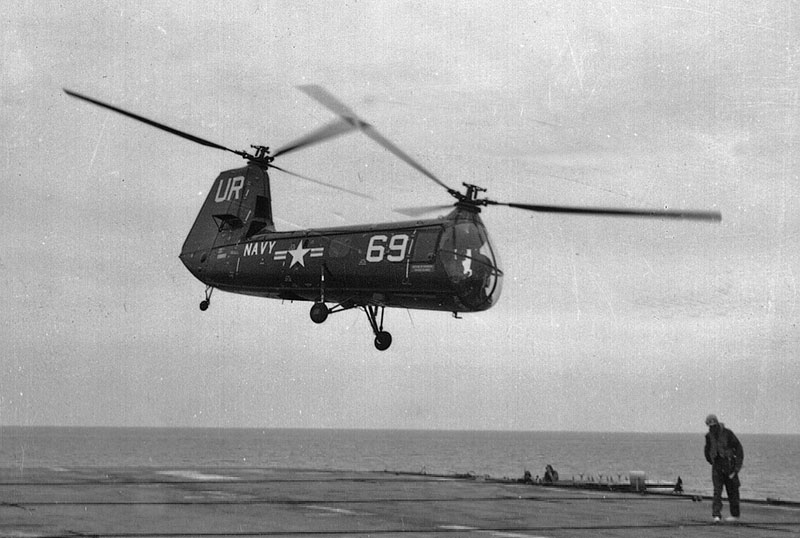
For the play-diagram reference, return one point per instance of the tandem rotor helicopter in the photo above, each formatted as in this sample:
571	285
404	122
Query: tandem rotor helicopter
445	263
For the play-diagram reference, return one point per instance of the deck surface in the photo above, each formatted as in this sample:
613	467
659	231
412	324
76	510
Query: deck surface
211	502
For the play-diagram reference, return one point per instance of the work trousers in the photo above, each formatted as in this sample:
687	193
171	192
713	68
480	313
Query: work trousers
720	477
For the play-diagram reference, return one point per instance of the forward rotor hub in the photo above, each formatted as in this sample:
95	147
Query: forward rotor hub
472	192
469	198
261	155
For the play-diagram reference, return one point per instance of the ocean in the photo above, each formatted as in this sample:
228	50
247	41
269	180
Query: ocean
771	466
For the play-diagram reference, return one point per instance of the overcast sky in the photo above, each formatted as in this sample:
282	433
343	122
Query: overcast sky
604	323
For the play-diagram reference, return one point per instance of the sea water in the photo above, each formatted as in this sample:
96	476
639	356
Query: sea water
771	466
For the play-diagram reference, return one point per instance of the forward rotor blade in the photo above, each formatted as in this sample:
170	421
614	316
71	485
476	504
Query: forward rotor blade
326	99
714	216
421	210
323	97
326	132
320	182
155	124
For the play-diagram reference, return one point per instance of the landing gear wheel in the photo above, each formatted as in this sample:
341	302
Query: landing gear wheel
205	303
319	312
383	340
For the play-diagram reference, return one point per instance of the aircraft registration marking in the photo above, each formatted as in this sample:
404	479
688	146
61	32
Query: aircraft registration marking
382	247
259	248
231	189
297	254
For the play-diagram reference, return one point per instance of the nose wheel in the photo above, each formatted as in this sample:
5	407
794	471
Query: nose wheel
205	303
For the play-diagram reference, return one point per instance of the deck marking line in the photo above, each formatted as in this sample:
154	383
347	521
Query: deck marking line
500	534
338	510
194	475
512	535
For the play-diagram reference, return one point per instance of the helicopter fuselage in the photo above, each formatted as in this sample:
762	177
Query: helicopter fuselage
435	264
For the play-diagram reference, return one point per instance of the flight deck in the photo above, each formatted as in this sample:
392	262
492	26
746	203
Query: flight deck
239	501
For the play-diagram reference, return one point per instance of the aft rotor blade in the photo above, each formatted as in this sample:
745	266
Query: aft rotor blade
326	132
421	210
377	137
318	182
714	216
322	96
155	124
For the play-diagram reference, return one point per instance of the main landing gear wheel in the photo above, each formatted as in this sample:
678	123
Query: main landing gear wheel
383	340
319	312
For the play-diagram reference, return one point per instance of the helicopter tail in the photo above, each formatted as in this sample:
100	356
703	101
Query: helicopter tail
237	207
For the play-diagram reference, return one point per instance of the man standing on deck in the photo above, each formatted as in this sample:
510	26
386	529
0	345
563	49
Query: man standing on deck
725	454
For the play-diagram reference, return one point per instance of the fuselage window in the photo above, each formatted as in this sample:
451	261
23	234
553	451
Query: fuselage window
425	245
339	247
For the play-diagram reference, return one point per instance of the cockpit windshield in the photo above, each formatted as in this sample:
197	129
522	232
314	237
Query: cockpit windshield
470	263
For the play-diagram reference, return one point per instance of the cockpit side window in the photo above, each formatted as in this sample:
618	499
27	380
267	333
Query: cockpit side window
469	262
464	244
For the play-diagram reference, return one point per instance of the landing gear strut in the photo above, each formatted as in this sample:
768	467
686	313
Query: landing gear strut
320	312
382	338
205	303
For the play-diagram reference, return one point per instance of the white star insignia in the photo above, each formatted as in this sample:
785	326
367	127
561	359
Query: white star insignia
298	254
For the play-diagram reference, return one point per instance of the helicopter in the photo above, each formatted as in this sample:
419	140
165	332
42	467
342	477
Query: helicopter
446	263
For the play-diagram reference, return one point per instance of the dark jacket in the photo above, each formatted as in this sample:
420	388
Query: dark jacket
724	451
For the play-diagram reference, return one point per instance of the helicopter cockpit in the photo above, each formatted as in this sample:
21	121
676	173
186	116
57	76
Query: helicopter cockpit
470	262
